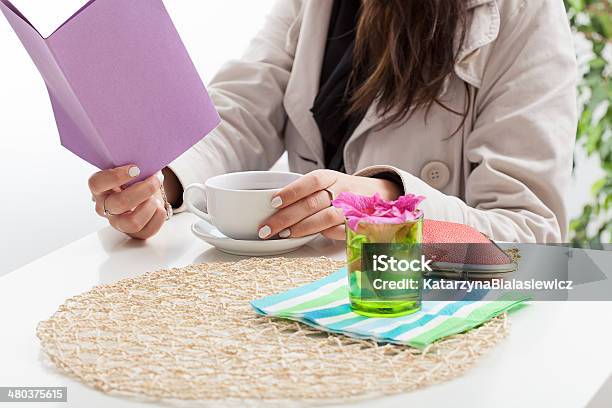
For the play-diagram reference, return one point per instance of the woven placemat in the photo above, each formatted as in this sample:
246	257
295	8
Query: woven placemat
190	335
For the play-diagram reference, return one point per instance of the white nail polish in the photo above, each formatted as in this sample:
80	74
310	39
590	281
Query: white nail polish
285	233
160	177
276	202
134	171
264	232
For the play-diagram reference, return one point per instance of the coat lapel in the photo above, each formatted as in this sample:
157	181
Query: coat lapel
483	29
303	85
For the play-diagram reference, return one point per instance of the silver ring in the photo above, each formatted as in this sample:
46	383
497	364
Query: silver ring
106	212
332	196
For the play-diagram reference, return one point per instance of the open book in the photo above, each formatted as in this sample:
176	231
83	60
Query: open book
122	85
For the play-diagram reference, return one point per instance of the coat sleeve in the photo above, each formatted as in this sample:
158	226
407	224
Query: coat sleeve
519	152
248	94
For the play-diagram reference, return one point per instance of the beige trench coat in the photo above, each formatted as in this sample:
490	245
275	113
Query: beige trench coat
505	173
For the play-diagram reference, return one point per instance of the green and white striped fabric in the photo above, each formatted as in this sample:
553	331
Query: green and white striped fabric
324	305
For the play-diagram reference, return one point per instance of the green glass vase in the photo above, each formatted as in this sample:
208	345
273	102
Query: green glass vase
384	268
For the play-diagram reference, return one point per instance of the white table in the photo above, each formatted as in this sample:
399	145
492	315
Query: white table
558	354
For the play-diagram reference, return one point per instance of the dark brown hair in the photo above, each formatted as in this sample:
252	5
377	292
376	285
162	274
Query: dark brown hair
404	50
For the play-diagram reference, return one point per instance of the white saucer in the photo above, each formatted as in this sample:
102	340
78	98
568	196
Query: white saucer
210	234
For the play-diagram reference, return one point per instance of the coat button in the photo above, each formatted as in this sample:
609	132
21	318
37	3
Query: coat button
436	174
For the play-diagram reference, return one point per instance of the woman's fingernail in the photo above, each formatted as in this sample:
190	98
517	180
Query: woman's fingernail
160	203
264	232
134	171
285	233
160	177
276	202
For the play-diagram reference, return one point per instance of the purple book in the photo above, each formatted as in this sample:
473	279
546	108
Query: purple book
122	85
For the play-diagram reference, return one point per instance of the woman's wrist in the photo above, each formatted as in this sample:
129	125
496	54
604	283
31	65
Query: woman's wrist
389	190
173	188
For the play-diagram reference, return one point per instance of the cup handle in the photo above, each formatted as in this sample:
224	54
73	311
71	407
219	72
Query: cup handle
190	204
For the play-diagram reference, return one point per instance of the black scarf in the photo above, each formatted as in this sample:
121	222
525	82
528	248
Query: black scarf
331	104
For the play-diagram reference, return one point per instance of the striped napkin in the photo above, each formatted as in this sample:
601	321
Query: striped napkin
324	304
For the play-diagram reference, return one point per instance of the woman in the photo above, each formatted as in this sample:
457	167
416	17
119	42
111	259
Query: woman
470	103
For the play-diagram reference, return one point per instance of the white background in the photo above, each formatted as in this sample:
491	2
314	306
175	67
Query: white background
44	201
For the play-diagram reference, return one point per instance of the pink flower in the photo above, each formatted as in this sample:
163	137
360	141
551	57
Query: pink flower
375	210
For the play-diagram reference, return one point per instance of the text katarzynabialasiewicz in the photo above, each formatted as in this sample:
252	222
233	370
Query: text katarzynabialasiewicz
496	284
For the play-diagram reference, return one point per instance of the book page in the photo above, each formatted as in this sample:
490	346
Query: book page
46	16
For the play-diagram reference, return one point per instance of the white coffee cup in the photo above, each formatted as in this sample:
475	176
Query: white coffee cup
237	203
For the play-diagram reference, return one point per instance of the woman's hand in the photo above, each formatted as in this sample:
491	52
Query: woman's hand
137	210
304	206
